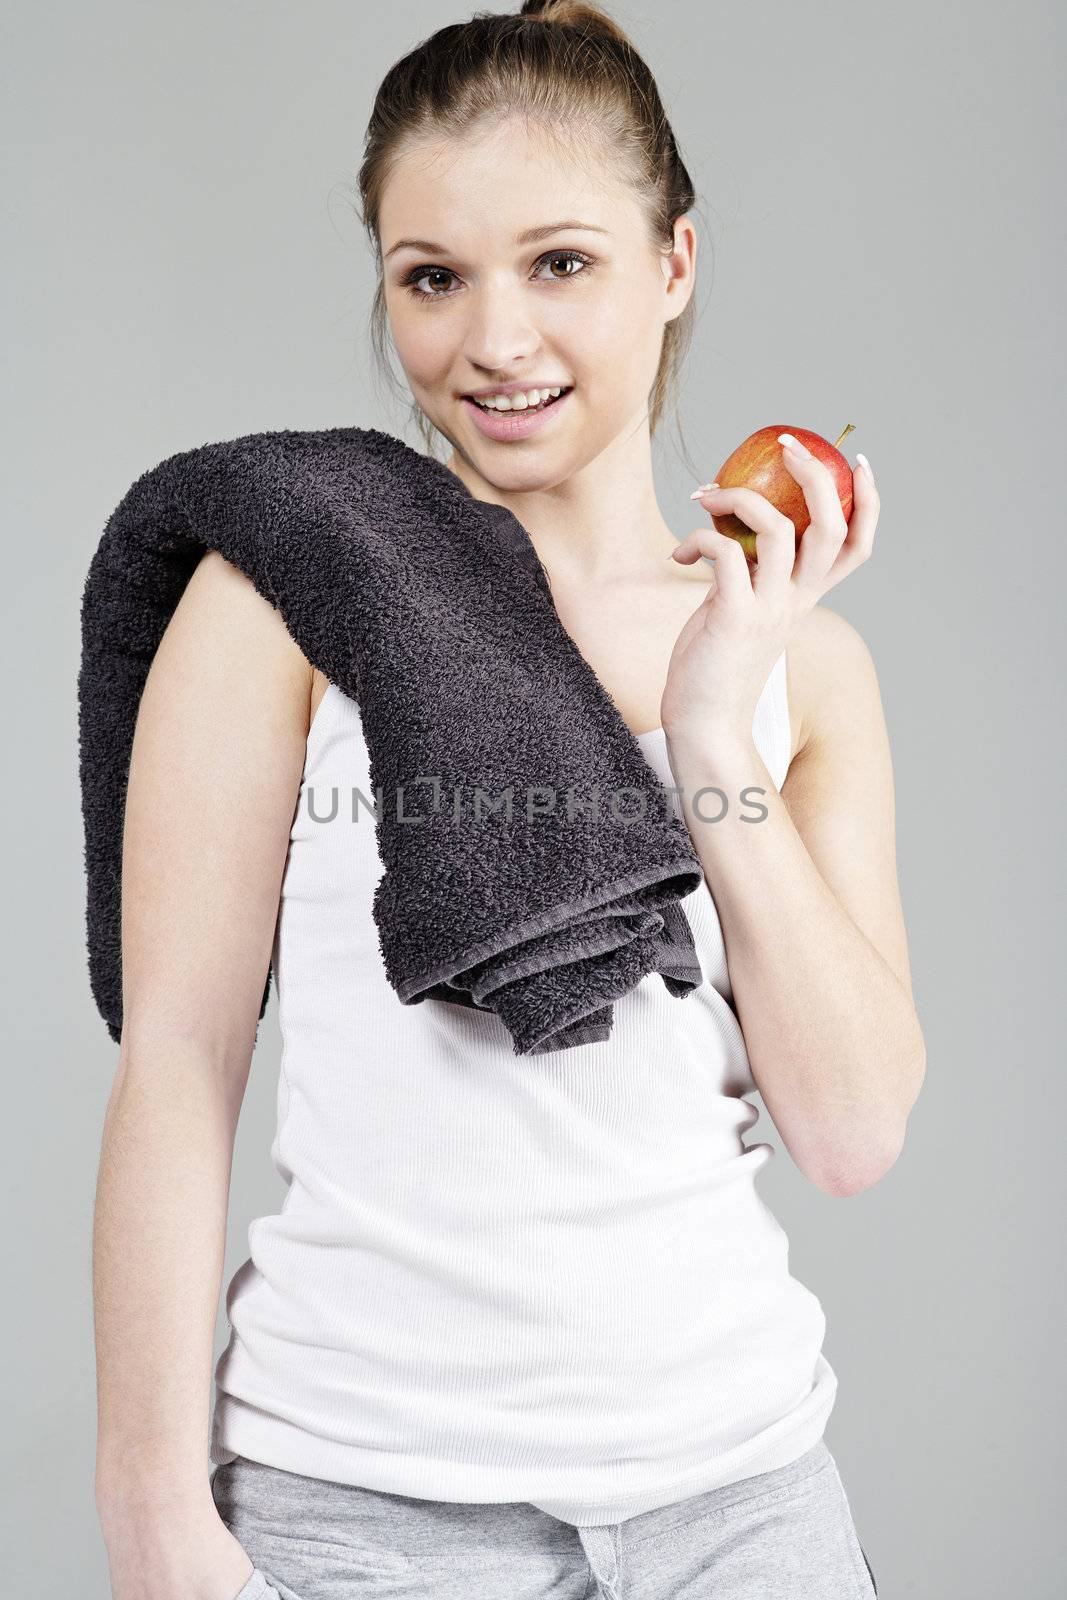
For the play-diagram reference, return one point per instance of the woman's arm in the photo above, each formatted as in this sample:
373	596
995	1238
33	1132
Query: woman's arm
215	770
811	915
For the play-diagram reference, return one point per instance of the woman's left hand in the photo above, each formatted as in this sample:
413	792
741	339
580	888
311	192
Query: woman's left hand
723	656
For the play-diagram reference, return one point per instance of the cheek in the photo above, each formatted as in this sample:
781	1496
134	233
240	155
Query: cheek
605	336
420	338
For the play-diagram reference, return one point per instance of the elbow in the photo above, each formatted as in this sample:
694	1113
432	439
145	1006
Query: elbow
875	1151
845	1169
843	1179
842	1156
841	1166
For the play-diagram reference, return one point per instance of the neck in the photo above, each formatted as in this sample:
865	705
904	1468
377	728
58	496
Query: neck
602	524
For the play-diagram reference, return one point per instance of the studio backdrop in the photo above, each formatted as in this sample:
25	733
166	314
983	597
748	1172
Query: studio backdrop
881	245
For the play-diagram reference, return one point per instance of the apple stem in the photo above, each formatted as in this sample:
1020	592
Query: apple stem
844	435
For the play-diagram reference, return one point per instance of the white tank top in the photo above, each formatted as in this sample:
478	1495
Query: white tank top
498	1278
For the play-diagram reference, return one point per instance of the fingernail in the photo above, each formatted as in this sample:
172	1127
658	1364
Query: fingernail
704	487
865	464
793	444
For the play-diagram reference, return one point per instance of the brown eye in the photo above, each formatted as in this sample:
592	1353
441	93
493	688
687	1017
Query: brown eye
430	272
569	258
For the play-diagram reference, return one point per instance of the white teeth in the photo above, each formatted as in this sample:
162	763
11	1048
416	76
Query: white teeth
516	402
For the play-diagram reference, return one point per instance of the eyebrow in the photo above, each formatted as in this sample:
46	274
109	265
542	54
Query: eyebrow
530	236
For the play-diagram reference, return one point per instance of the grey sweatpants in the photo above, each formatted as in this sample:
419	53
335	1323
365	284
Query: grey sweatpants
782	1535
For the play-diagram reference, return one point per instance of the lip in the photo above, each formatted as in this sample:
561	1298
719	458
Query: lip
508	425
516	388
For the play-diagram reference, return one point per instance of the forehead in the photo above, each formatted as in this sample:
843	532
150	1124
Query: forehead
487	187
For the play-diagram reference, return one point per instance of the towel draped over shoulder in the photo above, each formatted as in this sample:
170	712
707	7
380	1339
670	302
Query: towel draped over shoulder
545	902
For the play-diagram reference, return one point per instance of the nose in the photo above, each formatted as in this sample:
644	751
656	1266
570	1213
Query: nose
499	335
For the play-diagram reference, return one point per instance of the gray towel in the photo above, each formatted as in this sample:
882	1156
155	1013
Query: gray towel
431	609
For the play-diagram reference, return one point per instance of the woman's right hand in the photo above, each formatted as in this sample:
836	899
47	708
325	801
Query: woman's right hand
176	1558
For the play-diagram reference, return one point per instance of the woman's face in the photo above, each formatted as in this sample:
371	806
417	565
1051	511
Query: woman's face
474	307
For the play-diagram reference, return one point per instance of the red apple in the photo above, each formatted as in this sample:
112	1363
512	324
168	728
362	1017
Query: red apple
757	464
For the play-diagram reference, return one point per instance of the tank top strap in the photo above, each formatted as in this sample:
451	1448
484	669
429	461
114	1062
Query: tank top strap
770	728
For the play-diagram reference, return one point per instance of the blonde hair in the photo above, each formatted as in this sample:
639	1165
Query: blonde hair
559	63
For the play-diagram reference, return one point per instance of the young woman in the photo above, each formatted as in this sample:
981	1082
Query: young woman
523	1326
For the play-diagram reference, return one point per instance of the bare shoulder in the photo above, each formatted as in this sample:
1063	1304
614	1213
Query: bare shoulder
830	675
221	610
218	750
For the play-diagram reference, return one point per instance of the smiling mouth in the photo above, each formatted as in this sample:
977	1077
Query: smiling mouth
518	411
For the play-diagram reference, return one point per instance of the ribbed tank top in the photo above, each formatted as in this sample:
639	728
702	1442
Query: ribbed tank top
548	1278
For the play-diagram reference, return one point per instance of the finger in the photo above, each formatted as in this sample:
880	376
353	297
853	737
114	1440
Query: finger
753	509
732	578
825	533
859	541
776	538
776	553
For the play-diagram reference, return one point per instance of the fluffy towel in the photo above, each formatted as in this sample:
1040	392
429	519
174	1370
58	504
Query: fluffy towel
432	610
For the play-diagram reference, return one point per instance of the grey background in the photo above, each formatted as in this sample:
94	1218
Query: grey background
882	243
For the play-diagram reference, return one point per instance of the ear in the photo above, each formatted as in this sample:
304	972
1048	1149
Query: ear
679	267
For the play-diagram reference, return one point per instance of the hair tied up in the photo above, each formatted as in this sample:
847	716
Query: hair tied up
572	14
